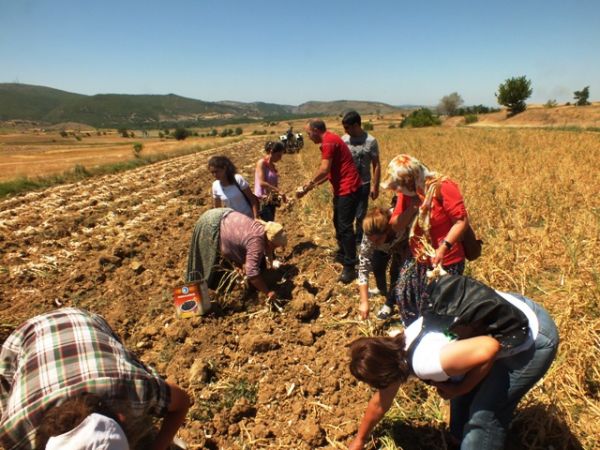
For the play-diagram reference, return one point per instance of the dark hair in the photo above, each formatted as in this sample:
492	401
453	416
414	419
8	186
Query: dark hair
351	118
69	414
223	162
379	361
317	124
275	147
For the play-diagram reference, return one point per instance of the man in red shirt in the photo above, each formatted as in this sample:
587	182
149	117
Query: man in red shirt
338	167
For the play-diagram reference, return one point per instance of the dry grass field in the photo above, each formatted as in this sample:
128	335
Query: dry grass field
43	154
117	245
533	197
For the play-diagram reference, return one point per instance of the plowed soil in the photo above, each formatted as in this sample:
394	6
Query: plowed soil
117	245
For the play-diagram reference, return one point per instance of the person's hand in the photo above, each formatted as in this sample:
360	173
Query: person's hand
284	198
270	296
356	444
363	309
439	255
374	192
300	192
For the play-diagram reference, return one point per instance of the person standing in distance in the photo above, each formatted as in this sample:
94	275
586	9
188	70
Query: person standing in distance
365	153
338	167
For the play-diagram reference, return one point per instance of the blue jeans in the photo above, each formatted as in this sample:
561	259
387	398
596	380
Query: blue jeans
481	418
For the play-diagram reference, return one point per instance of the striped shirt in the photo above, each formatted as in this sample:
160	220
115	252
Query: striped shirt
63	354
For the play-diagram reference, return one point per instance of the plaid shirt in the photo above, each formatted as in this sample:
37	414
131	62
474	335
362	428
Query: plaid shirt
62	354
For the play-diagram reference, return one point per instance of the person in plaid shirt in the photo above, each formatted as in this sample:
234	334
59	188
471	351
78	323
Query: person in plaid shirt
69	353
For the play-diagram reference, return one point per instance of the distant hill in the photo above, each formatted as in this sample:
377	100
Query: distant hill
341	106
52	106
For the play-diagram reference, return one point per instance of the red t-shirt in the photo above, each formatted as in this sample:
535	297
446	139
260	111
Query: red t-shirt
343	176
444	212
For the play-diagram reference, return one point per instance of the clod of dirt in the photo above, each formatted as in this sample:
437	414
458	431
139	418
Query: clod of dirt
241	409
311	433
254	343
200	372
176	332
304	307
317	330
305	336
105	260
233	430
137	267
262	431
324	294
150	331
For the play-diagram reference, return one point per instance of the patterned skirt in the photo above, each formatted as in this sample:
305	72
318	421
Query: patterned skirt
410	291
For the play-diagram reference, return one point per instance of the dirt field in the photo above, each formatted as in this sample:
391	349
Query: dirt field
117	245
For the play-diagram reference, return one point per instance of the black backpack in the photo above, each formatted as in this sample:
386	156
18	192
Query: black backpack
466	308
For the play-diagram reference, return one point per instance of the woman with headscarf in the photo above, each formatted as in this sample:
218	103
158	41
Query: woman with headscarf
436	231
228	234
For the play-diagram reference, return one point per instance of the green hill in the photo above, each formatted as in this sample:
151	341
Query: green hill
25	102
51	106
342	106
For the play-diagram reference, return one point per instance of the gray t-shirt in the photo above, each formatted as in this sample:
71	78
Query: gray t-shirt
363	149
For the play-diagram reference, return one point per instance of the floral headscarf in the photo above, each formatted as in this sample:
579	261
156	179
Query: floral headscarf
408	175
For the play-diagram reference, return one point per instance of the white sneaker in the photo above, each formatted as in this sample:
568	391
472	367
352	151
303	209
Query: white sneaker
374	291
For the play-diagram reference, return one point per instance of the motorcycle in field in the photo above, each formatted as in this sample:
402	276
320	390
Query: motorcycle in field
292	142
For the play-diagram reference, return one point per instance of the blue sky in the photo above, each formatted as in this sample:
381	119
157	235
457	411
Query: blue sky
398	52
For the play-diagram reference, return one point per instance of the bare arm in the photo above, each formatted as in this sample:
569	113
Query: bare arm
253	201
473	357
400	222
454	235
363	309
217	202
376	176
319	177
378	405
259	283
178	408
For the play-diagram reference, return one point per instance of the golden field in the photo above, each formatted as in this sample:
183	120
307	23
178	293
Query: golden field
42	154
533	197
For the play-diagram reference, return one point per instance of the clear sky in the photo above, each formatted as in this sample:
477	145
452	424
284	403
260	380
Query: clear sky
290	52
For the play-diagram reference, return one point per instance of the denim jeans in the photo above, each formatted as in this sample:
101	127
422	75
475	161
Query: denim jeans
344	212
361	210
481	418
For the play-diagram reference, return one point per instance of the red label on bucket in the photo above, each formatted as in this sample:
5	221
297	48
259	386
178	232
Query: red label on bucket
187	300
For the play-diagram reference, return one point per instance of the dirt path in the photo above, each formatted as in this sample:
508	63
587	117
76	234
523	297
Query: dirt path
117	245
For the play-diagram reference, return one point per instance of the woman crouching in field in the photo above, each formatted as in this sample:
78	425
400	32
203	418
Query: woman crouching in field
225	235
480	348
